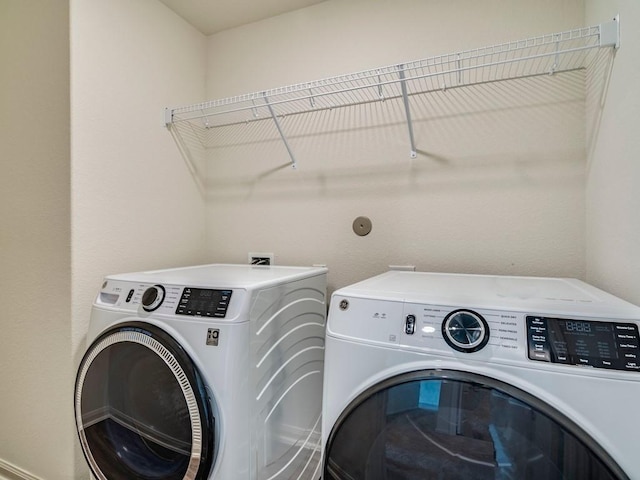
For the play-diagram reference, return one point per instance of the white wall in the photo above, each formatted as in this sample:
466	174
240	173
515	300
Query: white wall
124	202
613	198
135	204
498	186
36	425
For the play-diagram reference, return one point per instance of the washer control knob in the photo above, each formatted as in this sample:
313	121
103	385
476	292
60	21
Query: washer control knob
465	331
152	298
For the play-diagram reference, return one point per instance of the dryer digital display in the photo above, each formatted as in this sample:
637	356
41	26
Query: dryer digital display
582	342
204	302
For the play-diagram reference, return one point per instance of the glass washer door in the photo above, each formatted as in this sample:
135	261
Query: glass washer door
141	408
452	425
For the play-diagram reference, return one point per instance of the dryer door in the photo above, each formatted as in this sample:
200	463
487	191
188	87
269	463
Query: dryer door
141	408
438	424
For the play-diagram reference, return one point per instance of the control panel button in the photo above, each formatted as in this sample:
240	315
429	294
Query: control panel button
152	298
410	325
538	340
465	331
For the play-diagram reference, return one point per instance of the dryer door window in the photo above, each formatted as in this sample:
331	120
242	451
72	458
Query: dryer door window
458	426
141	408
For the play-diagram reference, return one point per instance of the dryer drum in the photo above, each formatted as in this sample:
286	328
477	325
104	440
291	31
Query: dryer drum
141	408
434	424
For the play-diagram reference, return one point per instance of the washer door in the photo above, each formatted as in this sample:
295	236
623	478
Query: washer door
141	408
439	424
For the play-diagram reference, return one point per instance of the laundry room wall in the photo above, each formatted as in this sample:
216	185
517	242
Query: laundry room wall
36	423
498	184
613	199
125	202
135	205
87	190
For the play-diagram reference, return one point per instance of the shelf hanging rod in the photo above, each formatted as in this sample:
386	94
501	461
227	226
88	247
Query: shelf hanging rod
394	81
279	128
395	97
607	34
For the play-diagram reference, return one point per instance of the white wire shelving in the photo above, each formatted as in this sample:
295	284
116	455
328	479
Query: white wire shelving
543	55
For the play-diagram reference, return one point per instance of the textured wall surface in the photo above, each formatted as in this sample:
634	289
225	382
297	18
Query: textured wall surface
135	204
498	184
613	200
35	282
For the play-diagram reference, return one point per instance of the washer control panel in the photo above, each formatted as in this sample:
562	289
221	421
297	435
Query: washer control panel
599	344
534	339
446	329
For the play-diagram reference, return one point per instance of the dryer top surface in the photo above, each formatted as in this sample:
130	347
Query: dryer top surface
491	291
223	275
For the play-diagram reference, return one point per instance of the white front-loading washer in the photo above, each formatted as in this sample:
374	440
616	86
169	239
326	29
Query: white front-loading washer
206	372
442	376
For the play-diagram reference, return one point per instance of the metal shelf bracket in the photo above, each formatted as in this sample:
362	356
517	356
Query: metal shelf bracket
610	33
407	110
279	128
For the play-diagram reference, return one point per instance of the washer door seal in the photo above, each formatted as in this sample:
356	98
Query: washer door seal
142	409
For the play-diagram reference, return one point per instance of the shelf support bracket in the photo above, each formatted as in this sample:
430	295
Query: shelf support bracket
407	110
279	128
168	117
610	33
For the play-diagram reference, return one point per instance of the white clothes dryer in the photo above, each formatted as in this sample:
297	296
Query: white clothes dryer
206	372
441	376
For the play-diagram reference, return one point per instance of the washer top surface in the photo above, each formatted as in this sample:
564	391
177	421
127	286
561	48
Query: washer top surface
222	275
491	291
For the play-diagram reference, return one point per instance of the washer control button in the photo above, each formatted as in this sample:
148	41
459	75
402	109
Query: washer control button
410	325
130	295
152	298
465	331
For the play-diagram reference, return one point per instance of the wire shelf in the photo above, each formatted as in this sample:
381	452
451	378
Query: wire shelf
543	55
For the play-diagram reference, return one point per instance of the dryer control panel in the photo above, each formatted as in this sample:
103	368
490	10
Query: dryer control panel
204	302
599	344
166	299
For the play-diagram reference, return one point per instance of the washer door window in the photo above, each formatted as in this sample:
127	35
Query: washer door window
141	408
455	425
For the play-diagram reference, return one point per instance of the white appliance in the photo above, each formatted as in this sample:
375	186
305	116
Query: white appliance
206	372
431	376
